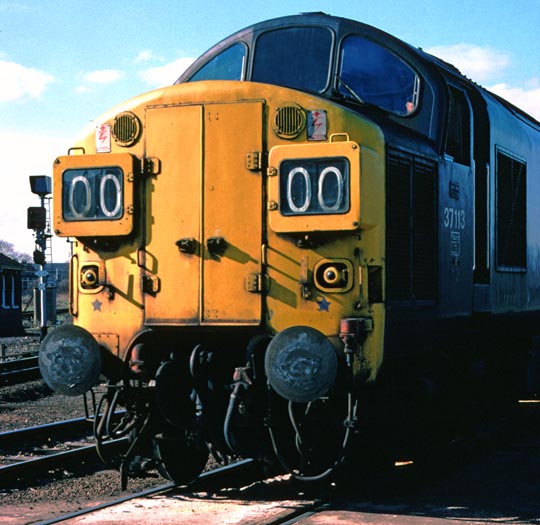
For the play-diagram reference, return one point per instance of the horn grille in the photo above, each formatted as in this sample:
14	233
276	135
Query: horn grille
126	129
289	121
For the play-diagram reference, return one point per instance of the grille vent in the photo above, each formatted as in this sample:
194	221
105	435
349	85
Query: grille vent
289	121
411	228
126	129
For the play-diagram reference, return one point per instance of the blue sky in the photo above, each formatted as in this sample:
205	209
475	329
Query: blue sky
64	62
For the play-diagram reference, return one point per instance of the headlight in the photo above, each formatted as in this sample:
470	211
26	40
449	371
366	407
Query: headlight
90	276
333	275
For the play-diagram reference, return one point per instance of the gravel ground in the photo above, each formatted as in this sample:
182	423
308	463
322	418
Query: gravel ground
33	403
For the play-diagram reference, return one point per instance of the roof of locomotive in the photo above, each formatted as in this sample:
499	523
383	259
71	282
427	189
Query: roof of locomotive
434	70
340	27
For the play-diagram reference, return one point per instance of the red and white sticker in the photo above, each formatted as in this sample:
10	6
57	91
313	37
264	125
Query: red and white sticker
103	138
317	125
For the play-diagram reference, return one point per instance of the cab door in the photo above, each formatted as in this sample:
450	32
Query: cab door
456	205
204	215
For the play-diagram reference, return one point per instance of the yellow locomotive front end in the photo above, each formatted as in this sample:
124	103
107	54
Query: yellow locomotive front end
227	267
216	225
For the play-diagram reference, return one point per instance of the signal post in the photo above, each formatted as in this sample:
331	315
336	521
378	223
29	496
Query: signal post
37	221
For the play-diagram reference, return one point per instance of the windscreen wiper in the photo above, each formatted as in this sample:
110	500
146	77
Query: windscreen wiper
350	90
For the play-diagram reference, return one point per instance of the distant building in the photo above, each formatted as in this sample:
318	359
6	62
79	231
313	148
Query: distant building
10	297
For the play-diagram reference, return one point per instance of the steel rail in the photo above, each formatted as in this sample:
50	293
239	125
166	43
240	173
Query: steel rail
28	434
19	371
5	358
62	459
18	363
300	514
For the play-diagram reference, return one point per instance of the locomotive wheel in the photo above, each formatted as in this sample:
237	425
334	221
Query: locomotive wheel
181	460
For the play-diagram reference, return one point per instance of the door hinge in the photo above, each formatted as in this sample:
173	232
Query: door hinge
256	283
151	166
150	284
253	161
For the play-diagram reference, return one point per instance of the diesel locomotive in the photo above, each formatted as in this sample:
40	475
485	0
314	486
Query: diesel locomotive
317	231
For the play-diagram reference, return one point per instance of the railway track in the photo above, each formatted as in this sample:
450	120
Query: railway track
499	487
19	370
34	460
34	433
57	460
19	359
457	497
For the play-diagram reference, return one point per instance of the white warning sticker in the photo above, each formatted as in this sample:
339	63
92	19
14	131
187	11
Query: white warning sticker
103	138
317	125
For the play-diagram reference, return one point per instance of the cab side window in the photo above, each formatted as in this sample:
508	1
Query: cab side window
458	135
511	213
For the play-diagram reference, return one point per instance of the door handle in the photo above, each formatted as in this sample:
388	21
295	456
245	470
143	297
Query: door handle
216	245
187	245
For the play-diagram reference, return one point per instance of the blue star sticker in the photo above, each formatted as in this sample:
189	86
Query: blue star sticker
97	305
324	305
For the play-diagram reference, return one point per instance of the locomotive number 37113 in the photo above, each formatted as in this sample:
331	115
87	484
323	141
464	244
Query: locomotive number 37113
454	218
